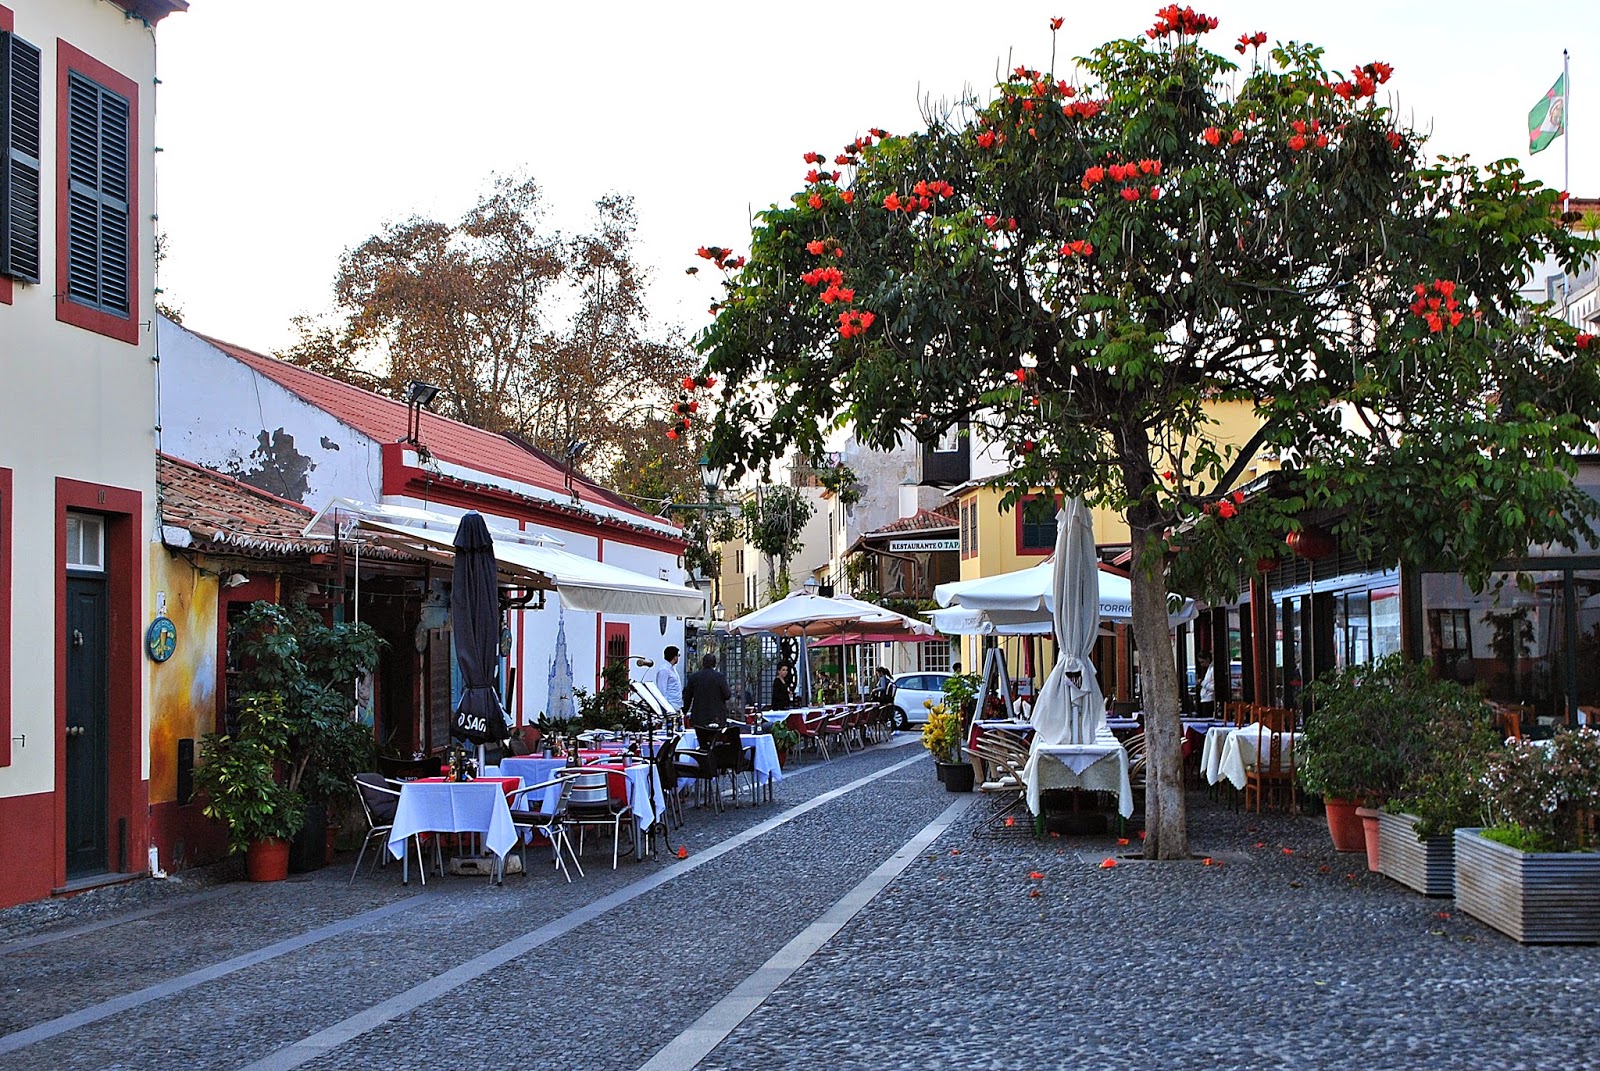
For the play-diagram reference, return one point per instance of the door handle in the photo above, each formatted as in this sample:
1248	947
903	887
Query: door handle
74	730
77	637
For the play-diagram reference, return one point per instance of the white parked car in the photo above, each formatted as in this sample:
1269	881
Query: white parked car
912	691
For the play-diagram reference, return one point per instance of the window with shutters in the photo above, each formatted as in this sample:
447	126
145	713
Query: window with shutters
19	158
97	181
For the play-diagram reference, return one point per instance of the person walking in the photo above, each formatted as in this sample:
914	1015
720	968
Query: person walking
706	694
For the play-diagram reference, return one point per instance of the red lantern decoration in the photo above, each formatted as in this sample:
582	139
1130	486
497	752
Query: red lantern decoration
1311	543
1266	565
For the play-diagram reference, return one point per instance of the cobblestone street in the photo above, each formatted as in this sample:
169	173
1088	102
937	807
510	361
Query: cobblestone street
860	922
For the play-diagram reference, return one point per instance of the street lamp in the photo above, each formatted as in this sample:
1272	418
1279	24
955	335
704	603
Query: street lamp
810	585
710	479
718	614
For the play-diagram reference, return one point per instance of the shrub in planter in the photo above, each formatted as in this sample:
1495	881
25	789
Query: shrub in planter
239	777
1534	874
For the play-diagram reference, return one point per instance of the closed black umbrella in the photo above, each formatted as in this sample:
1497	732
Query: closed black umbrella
475	620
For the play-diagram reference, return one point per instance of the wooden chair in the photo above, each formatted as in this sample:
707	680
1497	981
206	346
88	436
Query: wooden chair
1509	717
1273	771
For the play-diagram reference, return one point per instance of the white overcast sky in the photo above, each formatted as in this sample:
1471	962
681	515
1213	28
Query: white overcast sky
293	130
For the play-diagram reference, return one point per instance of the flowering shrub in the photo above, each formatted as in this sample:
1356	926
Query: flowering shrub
941	734
1543	795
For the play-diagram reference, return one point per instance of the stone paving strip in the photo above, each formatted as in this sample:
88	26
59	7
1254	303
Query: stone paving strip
340	972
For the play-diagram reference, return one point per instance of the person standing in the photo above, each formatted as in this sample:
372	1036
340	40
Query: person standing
1208	686
706	694
782	688
666	679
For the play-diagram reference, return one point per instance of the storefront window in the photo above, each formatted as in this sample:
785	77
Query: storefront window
1509	639
1385	621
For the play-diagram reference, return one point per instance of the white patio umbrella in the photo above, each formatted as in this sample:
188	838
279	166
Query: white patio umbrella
804	615
1030	593
1070	708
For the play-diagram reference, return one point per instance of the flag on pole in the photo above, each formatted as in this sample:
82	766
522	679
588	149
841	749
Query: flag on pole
1548	120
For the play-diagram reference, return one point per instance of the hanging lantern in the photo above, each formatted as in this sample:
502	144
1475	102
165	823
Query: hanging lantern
1311	543
1266	565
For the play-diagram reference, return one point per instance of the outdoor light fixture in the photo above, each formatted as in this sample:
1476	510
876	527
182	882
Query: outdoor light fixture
710	478
718	614
419	396
575	450
811	585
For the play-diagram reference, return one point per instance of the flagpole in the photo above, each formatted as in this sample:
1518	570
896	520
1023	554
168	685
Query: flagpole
1566	131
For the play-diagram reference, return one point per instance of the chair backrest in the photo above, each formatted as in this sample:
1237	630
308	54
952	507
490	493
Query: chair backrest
379	799
588	788
666	755
728	750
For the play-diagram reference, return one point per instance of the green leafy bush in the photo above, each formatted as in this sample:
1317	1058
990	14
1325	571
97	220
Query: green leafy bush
238	779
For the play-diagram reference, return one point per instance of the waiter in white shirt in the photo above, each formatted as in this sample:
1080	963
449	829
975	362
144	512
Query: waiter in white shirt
666	679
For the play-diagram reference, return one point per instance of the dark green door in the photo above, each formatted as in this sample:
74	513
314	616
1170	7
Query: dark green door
87	732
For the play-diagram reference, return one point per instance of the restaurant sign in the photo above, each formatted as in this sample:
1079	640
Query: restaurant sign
914	546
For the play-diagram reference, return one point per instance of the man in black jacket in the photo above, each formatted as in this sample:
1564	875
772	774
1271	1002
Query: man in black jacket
706	694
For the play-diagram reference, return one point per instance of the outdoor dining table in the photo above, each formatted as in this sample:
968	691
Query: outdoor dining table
1229	752
453	807
764	756
1101	766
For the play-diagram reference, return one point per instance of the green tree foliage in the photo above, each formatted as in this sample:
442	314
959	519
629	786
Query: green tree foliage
1078	269
773	522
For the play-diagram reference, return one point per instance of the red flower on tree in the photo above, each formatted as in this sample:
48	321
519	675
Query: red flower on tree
815	248
854	322
815	201
1213	136
1584	341
1130	193
1055	24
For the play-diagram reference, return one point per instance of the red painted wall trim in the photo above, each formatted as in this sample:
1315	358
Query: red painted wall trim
257	589
27	847
402	479
1032	552
7	22
123	329
5	617
128	795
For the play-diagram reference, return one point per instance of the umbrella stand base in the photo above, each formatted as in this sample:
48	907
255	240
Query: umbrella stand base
481	866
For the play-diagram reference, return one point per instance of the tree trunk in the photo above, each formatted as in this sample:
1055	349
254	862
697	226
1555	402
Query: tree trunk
1166	820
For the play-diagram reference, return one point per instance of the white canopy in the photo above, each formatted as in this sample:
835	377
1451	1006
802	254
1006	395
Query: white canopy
1028	595
960	621
802	614
524	559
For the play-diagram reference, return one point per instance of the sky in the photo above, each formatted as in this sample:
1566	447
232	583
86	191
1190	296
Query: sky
293	131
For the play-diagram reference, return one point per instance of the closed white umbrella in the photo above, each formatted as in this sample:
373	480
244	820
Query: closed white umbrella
1070	708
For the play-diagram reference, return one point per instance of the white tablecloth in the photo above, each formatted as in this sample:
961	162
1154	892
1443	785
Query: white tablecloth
1230	752
1098	767
645	804
453	807
765	758
533	771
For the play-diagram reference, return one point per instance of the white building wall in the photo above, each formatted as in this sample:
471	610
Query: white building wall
75	404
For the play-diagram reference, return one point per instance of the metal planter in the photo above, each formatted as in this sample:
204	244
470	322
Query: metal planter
1533	897
1427	866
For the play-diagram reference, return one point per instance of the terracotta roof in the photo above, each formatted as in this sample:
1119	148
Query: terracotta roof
384	419
924	520
221	513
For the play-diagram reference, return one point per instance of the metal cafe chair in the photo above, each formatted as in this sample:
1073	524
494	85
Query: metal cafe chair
552	824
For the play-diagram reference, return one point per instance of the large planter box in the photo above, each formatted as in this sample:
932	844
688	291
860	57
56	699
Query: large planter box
1427	866
1534	897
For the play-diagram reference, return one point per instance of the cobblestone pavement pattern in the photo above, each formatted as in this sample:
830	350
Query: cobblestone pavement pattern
763	950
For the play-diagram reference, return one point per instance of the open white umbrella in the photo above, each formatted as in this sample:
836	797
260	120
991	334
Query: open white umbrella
805	615
1070	708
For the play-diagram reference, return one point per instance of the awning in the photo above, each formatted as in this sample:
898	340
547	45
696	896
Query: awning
524	560
848	639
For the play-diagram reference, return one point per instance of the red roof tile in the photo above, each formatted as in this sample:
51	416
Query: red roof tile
384	419
222	513
924	520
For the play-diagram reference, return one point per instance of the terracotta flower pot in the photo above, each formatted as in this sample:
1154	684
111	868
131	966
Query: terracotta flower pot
268	860
1344	825
1369	830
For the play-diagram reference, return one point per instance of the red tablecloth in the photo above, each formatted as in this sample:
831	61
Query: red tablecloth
507	784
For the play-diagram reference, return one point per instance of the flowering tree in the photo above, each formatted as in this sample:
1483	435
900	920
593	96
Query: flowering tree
1080	268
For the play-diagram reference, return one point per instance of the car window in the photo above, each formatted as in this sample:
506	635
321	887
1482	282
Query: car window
919	683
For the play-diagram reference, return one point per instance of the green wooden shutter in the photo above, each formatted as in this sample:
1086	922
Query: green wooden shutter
19	158
98	175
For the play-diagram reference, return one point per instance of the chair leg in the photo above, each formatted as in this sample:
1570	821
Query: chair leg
359	856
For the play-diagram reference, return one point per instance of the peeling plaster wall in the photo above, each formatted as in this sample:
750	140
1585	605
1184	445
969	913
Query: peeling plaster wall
219	413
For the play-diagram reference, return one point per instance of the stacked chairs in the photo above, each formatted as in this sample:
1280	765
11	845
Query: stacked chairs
1003	756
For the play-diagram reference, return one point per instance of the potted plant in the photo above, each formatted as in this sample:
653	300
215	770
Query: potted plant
312	668
239	780
785	740
1441	794
1533	873
941	735
1361	739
